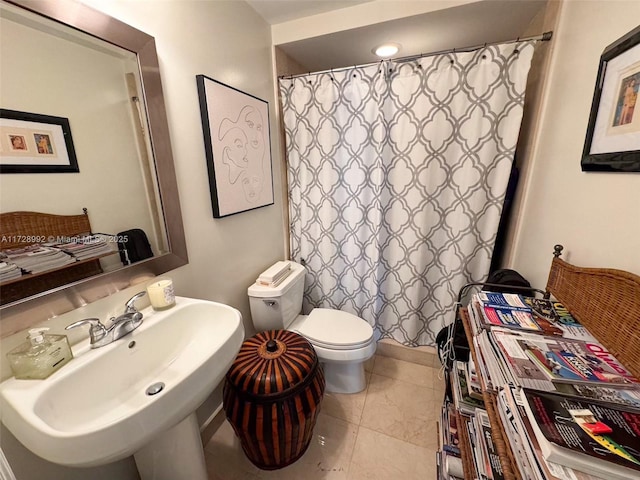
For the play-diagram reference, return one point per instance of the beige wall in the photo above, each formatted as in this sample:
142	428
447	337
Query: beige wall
229	42
285	65
537	86
596	216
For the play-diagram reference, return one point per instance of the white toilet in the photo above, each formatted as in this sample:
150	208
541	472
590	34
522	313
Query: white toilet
342	341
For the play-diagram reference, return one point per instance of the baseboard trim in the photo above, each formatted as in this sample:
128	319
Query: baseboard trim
427	356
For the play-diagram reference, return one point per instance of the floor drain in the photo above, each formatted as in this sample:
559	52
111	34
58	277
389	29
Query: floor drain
155	388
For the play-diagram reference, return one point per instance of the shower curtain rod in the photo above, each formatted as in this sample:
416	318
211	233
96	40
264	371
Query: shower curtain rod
544	37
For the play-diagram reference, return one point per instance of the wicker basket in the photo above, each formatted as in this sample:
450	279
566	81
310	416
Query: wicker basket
272	397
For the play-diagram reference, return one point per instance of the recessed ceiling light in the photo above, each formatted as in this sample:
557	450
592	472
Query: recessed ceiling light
387	50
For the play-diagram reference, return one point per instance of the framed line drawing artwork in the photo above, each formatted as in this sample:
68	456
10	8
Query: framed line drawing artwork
237	146
613	134
34	143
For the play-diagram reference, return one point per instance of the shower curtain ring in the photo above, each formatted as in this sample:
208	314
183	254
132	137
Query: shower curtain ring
516	50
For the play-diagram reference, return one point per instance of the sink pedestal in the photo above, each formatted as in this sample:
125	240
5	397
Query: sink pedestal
175	454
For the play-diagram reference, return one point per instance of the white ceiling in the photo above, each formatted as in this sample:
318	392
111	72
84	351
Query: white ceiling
466	25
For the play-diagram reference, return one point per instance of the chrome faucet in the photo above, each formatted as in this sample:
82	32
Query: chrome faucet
120	326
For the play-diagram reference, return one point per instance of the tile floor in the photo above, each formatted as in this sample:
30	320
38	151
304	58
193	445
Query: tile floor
386	432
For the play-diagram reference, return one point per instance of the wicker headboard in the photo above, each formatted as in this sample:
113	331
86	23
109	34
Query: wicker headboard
604	300
18	229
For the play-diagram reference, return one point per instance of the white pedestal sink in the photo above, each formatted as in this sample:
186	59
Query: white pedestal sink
96	409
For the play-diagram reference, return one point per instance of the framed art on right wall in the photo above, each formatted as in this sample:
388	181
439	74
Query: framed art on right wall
613	135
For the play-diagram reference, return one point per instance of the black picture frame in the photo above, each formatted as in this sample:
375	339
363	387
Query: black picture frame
237	142
612	142
35	143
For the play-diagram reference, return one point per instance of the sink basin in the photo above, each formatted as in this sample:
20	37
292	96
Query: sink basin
95	410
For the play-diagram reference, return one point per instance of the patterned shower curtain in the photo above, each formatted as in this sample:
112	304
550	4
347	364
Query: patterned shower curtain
397	175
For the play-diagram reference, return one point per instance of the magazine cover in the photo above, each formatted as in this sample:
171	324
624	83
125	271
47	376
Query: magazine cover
525	371
572	361
510	399
506	317
503	300
555	320
605	432
534	358
550	318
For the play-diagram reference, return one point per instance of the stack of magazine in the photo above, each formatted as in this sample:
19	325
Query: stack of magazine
38	258
485	453
448	456
569	408
8	271
85	247
467	396
468	401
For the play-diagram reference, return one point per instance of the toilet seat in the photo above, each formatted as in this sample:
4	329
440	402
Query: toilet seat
334	329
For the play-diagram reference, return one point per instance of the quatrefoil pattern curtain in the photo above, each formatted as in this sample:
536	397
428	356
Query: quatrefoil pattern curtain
397	175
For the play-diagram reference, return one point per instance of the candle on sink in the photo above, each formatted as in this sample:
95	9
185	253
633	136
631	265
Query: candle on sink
161	294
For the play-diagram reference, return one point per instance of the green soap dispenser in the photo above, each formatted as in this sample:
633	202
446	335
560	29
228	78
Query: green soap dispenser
40	356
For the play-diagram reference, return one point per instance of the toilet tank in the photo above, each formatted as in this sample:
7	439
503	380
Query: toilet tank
277	307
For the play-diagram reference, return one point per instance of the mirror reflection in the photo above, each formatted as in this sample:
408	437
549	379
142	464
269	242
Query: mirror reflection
51	70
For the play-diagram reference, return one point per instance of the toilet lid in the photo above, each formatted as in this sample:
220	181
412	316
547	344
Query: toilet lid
335	329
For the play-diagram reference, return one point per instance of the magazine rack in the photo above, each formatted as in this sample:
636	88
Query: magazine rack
606	301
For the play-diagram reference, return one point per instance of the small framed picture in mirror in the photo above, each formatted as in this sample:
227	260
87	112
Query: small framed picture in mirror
34	143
